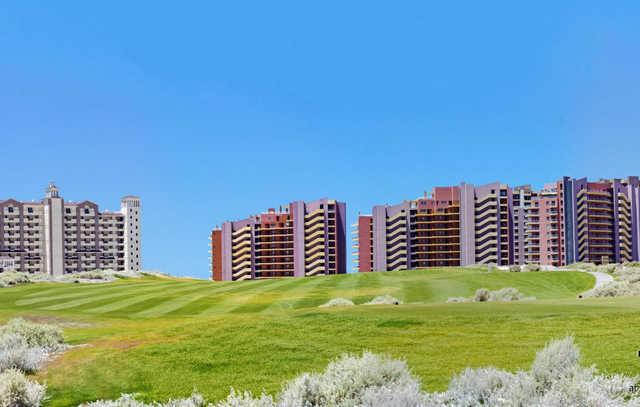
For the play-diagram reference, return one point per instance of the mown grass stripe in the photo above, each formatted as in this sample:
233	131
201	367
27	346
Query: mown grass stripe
120	288
58	287
213	297
266	298
128	302
85	301
227	301
288	302
318	293
174	304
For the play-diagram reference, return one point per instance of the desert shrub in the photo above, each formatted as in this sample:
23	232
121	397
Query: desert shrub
128	400
18	391
384	300
246	399
606	268
555	379
485	295
557	361
15	353
514	268
615	289
506	294
629	274
531	267
11	278
583	266
458	299
352	381
485	386
481	295
338	302
45	336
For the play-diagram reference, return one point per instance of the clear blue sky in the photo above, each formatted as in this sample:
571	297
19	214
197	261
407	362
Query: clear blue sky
213	112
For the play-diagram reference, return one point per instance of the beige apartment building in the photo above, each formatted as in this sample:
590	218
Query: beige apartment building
58	237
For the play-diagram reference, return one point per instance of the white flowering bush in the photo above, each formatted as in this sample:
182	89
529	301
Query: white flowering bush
384	300
507	294
583	266
614	289
555	379
501	295
18	391
338	302
246	399
90	276
12	278
15	353
628	274
128	400
350	381
481	295
458	299
44	336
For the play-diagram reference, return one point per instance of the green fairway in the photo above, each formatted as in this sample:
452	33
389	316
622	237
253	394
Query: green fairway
164	337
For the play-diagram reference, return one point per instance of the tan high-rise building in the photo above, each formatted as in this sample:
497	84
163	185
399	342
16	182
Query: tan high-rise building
58	237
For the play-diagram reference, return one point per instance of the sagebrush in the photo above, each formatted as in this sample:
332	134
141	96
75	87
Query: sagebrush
384	300
486	295
338	302
18	391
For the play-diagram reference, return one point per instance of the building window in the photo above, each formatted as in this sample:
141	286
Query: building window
30	210
10	210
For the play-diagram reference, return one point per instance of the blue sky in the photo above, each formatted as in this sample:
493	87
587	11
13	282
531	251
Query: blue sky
212	112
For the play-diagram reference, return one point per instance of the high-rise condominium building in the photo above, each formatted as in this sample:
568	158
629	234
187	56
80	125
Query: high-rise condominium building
303	239
454	226
572	220
58	237
601	219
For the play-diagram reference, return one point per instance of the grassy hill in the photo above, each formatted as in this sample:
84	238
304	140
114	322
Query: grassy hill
164	337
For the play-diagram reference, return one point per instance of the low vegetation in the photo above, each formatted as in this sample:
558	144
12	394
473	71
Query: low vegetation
626	282
128	400
337	302
11	278
501	295
18	391
384	300
24	347
555	379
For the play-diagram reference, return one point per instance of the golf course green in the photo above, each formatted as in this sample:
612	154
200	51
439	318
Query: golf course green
164	337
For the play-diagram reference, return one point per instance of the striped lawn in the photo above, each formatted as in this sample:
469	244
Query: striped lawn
153	297
162	338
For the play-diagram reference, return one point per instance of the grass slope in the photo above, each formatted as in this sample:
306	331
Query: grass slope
164	337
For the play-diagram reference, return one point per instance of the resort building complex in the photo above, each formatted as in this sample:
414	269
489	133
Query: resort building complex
58	237
303	239
572	220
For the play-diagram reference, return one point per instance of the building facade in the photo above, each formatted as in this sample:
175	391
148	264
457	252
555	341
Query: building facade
303	239
58	237
601	222
424	232
571	220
